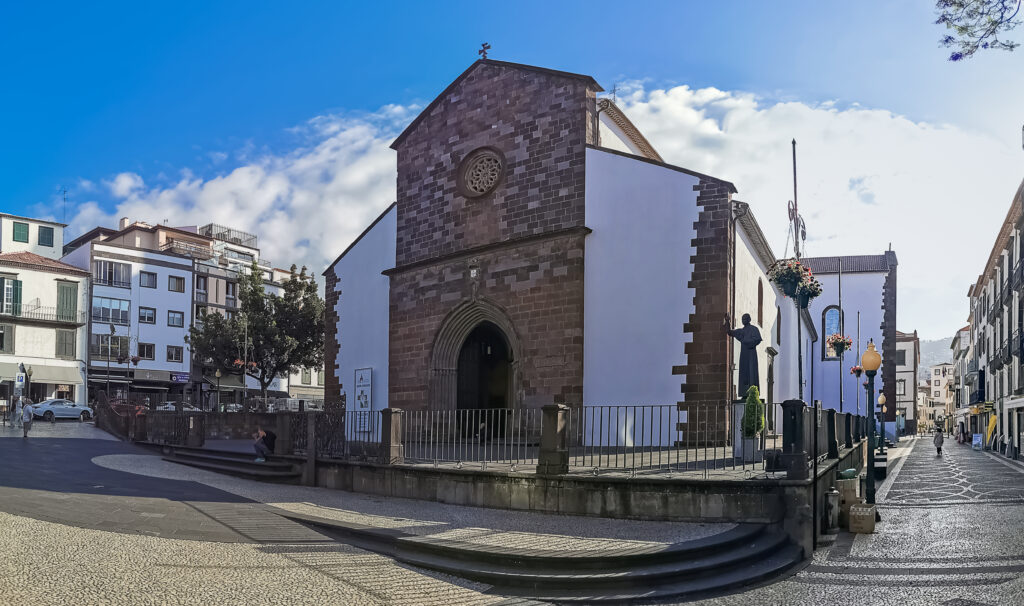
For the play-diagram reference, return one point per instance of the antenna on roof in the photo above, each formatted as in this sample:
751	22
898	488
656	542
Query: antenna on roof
615	93
64	206
483	50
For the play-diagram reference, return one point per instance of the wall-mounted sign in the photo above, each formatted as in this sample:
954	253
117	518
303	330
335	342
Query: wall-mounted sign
363	389
63	388
19	380
179	377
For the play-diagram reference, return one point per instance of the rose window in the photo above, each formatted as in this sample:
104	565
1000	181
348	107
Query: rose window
480	173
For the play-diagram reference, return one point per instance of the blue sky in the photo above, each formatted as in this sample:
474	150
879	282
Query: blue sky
195	90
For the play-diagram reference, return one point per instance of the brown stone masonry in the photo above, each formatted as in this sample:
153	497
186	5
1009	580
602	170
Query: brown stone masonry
888	328
332	386
536	289
708	355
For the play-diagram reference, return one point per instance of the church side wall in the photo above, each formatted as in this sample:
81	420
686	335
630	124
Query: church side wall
861	292
636	289
357	297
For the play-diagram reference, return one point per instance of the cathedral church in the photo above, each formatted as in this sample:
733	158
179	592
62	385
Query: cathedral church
540	251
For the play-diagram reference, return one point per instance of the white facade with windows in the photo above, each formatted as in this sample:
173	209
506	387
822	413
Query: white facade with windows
908	356
43	310
21	234
141	310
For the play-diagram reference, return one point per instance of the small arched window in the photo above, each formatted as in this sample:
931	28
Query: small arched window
760	303
830	325
778	325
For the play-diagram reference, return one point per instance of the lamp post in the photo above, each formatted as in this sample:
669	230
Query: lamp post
28	381
110	345
870	361
218	389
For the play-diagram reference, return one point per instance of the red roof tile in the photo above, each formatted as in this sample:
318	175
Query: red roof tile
34	261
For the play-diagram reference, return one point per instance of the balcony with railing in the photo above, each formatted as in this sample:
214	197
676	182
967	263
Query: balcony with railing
972	367
1005	351
188	249
230	302
227	234
200	296
216	271
1006	293
55	315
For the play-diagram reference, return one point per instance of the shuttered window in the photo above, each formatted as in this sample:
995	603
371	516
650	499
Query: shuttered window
45	236
10	296
7	338
66	344
20	232
67	301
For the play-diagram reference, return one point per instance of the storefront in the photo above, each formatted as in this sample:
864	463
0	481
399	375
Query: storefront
44	381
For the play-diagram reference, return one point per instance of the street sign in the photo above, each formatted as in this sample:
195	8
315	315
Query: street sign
19	381
179	377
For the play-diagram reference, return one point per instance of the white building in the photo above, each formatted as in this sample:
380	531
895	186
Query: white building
141	307
941	401
908	357
859	301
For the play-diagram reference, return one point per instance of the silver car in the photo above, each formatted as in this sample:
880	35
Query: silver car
58	408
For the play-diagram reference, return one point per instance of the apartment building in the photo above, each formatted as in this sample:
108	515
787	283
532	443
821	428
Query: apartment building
43	305
994	378
140	306
940	404
908	357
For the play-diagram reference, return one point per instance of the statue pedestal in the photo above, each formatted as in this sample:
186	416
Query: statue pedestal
747	450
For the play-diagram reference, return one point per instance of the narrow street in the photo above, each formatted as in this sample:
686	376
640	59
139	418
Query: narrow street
950	534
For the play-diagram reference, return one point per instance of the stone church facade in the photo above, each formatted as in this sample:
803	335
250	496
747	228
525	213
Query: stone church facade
540	252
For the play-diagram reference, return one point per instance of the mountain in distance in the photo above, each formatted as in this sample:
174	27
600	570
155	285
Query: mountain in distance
935	351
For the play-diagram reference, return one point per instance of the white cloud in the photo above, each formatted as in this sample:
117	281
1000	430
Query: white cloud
868	177
305	205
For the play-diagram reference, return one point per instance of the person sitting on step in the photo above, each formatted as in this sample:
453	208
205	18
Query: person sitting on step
264	444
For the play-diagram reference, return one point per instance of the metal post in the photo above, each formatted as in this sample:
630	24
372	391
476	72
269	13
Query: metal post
869	497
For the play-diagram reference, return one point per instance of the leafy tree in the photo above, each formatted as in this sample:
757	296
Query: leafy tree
976	25
275	334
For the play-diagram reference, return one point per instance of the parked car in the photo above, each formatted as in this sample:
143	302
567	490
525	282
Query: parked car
57	408
171	406
232	408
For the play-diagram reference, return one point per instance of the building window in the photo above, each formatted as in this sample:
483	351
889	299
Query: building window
176	318
147	315
936	382
778	325
10	290
307	376
760	303
935	394
147	351
830	325
175	353
45	236
201	282
7	338
106	347
20	232
66	344
901	387
109	273
230	314
147	279
230	288
113	311
175	284
901	357
320	377
936	372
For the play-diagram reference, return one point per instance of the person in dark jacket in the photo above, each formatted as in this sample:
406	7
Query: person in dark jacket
264	444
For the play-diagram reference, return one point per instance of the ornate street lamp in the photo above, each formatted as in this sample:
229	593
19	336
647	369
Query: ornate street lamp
870	361
218	390
28	383
881	419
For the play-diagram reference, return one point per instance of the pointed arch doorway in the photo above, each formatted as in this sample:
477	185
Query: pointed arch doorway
484	369
464	375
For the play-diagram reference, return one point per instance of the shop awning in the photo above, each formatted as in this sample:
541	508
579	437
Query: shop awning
8	371
227	381
55	374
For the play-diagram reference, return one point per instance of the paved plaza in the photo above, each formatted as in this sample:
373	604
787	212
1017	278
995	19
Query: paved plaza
90	520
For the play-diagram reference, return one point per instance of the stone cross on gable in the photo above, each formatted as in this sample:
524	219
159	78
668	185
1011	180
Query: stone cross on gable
483	50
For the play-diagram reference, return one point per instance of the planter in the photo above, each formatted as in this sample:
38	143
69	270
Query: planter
746	449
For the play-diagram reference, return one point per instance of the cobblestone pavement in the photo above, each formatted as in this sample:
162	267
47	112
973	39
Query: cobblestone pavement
949	535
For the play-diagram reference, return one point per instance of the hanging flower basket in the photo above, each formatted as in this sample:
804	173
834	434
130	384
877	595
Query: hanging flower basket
795	280
839	343
856	371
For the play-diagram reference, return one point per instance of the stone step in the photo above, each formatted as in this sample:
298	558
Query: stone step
744	555
725	580
617	572
250	469
219	457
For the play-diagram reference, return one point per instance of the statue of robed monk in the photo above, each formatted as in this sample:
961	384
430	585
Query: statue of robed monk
749	337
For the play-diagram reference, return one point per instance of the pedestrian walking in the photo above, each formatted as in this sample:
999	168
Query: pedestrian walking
26	420
938	443
16	410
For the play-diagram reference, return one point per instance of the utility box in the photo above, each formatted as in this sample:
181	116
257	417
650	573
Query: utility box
862	519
